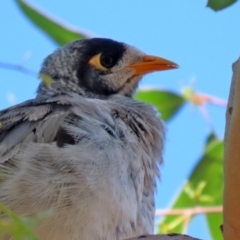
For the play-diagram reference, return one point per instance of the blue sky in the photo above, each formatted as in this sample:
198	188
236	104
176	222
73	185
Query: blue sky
202	42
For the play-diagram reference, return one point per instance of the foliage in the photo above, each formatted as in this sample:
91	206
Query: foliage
167	103
58	32
204	186
201	189
19	227
217	5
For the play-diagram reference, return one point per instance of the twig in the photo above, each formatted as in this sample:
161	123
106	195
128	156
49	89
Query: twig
171	236
189	211
186	223
18	68
201	99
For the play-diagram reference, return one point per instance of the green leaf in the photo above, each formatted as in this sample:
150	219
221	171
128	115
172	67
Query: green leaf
217	5
214	221
20	227
167	103
204	188
58	32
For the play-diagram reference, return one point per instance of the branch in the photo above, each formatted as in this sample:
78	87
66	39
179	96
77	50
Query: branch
171	236
182	211
18	68
189	211
202	99
231	204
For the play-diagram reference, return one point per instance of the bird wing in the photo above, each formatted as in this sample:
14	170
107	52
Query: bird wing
93	161
35	120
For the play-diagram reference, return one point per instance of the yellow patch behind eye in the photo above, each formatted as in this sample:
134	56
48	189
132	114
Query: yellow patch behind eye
95	61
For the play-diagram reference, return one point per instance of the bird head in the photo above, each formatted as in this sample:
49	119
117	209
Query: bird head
97	67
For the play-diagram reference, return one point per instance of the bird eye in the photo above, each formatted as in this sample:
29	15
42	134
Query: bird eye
107	61
103	61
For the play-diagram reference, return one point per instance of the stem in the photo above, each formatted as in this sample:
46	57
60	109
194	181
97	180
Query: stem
18	68
189	211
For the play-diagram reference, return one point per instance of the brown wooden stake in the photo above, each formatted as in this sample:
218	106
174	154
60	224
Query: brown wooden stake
231	206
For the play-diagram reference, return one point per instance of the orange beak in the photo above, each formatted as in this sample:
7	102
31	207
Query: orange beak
151	64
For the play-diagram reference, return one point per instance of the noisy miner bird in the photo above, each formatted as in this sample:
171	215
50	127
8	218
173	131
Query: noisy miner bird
84	147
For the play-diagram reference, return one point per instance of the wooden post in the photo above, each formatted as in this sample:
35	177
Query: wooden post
231	205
